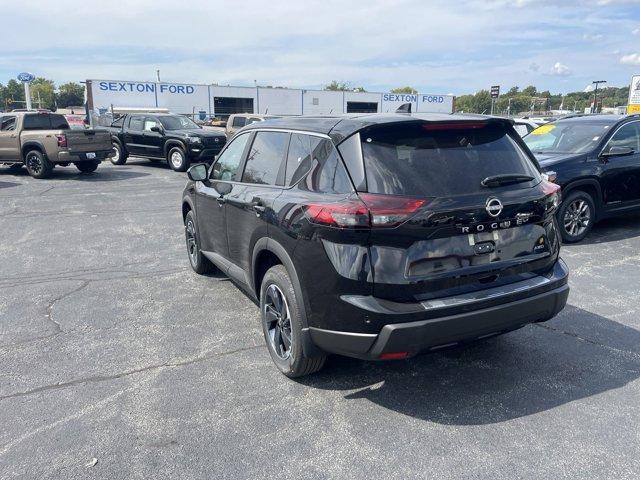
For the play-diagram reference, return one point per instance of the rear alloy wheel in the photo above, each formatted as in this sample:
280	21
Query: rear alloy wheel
87	167
119	158
37	164
199	263
282	325
576	216
177	159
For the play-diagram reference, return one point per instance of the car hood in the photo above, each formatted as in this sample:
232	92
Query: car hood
548	159
198	132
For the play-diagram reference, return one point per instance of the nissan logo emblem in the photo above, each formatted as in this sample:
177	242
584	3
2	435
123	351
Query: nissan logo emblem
494	207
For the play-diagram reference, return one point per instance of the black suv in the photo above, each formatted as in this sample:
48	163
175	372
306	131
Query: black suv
379	236
174	138
596	160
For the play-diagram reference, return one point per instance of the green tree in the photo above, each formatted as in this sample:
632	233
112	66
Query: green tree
531	91
336	86
43	93
408	90
14	91
69	95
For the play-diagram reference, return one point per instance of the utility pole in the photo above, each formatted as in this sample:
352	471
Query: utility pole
595	95
158	75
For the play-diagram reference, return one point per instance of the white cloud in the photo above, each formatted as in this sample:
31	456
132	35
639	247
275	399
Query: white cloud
592	37
560	70
635	31
534	67
631	59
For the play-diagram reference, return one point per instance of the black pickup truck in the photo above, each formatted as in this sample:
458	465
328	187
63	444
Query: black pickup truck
174	138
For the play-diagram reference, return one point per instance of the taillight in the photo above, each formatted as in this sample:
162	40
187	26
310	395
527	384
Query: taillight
368	210
62	140
552	191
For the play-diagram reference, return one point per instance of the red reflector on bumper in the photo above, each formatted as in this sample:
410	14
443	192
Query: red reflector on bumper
394	355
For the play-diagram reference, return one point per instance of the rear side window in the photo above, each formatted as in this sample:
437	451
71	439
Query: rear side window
265	157
7	124
427	160
36	122
239	122
328	174
298	158
136	123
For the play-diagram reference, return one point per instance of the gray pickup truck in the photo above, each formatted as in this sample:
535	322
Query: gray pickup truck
41	140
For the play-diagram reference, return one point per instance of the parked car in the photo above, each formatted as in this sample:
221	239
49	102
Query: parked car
379	236
596	161
239	120
76	122
524	126
174	138
42	140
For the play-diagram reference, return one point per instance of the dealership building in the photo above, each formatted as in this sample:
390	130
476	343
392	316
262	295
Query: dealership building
205	101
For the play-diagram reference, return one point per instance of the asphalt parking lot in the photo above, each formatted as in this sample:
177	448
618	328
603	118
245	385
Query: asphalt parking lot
118	362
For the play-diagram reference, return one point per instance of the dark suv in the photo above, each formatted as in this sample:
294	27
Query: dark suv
174	138
596	160
379	236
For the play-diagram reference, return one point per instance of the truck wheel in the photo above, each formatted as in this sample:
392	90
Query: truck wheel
282	325
87	167
37	164
120	158
576	216
177	159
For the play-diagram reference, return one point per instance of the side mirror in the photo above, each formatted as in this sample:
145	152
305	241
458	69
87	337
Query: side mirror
618	152
156	129
198	172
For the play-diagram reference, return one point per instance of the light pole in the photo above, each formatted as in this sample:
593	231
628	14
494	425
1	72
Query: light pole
595	95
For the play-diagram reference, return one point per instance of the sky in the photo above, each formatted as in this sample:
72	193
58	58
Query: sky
435	46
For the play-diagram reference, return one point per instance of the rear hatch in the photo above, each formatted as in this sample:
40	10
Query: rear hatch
85	141
460	206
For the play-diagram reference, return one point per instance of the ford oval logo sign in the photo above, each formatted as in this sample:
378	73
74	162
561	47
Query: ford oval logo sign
26	77
494	207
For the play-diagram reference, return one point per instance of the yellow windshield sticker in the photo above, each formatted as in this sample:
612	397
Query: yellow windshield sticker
541	130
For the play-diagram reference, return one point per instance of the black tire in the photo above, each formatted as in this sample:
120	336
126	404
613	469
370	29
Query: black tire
576	216
199	263
177	159
87	167
37	164
121	157
292	362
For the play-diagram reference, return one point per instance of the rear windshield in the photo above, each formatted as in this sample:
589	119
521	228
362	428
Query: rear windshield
45	121
427	160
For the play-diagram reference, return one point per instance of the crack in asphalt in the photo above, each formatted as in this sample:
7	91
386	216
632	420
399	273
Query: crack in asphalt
587	340
116	376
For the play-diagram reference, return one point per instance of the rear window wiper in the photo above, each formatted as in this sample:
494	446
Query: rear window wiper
505	179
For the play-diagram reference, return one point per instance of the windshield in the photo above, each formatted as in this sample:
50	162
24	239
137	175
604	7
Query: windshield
438	160
178	123
566	137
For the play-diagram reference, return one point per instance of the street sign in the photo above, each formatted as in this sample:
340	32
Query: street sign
634	95
26	77
495	91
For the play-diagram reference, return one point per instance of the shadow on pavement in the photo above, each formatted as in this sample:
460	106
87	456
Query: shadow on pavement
614	229
71	173
500	379
8	184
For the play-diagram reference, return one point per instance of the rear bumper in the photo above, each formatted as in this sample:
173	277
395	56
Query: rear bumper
72	157
522	305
